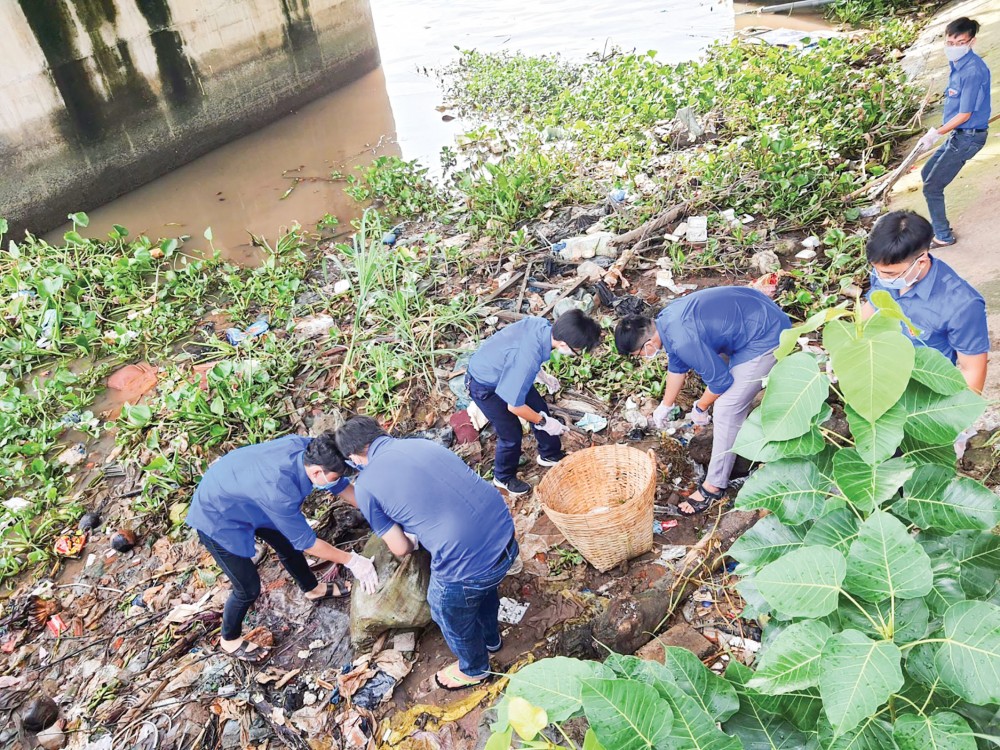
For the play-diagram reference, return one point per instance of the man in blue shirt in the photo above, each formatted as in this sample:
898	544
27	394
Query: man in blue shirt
727	335
258	491
949	313
966	120
416	491
500	378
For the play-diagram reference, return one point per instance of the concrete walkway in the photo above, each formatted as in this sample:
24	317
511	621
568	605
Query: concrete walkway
974	197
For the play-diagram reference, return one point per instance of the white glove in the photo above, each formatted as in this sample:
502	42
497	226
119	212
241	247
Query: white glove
364	571
413	540
551	426
664	414
699	417
926	143
549	381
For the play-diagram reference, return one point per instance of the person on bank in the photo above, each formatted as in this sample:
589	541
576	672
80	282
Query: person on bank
257	492
501	375
414	491
966	121
949	313
728	336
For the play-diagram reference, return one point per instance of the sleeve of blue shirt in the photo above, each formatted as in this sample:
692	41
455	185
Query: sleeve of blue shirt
288	519
519	372
972	85
694	355
967	329
372	511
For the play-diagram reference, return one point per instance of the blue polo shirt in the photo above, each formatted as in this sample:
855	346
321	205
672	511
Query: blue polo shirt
735	321
949	312
968	91
510	360
255	487
429	491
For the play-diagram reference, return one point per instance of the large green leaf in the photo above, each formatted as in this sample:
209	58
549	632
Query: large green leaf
919	664
753	445
936	371
803	583
858	675
801	707
907	619
935	498
969	659
947	587
796	390
919	453
765	541
791	488
693	729
755	604
885	561
837	529
554	684
873	370
938	419
716	696
792	662
757	724
871	734
942	730
790	336
978	555
627	715
866	485
877	441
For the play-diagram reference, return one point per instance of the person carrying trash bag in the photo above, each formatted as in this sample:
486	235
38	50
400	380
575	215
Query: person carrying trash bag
258	491
500	379
416	492
728	336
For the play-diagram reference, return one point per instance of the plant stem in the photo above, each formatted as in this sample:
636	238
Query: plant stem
863	611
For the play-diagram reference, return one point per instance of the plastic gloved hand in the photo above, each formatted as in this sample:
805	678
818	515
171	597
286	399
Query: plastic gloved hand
413	540
549	381
663	414
927	141
699	417
364	571
551	426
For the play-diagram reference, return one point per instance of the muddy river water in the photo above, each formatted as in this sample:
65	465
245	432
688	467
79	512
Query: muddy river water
242	187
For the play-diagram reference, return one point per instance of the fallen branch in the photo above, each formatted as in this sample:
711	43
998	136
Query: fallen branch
636	237
285	734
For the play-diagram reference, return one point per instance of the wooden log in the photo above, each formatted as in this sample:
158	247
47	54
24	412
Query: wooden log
634	239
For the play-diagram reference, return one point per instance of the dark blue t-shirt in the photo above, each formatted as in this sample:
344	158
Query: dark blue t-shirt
509	360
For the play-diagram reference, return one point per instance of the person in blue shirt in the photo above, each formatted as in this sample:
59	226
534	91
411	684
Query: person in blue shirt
414	491
501	375
949	313
966	121
728	336
257	492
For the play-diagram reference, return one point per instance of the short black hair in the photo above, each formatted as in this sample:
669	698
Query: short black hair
898	236
322	451
632	332
962	25
356	434
578	330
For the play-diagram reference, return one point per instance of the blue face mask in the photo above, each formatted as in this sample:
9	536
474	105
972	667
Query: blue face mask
327	485
900	282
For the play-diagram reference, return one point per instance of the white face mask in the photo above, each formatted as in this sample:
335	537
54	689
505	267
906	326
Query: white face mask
954	54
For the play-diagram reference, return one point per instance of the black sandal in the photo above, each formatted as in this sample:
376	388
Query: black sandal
257	655
338	588
700	506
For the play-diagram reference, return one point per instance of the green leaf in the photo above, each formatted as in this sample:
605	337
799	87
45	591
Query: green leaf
627	715
872	370
885	561
938	419
208	233
803	583
918	453
716	696
590	741
865	485
871	734
4	226
764	542
969	659
978	555
837	529
693	729
888	308
791	488
906	620
792	662
942	730
936	371
121	231
947	587
753	445
790	336
877	441
801	708
79	218
935	498
554	685
796	391
858	675
137	416
218	406
499	740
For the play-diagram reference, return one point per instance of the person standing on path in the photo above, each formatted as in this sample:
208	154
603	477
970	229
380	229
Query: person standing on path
728	336
500	378
966	121
414	491
258	491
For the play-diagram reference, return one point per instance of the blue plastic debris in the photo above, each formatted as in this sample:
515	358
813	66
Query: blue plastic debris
234	335
558	247
618	195
389	238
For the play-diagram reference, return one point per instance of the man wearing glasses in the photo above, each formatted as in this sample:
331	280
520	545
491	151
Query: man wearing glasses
966	120
949	313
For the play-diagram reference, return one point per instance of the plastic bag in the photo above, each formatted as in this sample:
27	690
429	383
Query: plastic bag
400	600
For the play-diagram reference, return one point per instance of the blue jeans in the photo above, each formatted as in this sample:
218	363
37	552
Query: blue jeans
508	428
941	169
466	611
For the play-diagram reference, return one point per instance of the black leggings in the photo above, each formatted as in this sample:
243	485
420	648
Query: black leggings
243	576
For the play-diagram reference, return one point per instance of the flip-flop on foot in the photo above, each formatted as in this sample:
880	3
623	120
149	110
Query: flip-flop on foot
700	506
450	678
251	653
935	243
335	589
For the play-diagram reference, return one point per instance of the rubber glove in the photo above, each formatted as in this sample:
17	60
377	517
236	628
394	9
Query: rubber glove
699	417
413	540
928	140
549	381
551	426
664	414
364	571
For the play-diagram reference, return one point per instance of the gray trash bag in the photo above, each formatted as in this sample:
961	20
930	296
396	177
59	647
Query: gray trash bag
400	600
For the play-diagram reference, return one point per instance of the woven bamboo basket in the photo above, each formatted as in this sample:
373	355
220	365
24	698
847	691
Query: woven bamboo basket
601	499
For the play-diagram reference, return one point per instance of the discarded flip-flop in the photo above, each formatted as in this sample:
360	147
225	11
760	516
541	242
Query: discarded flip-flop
458	680
700	506
251	653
